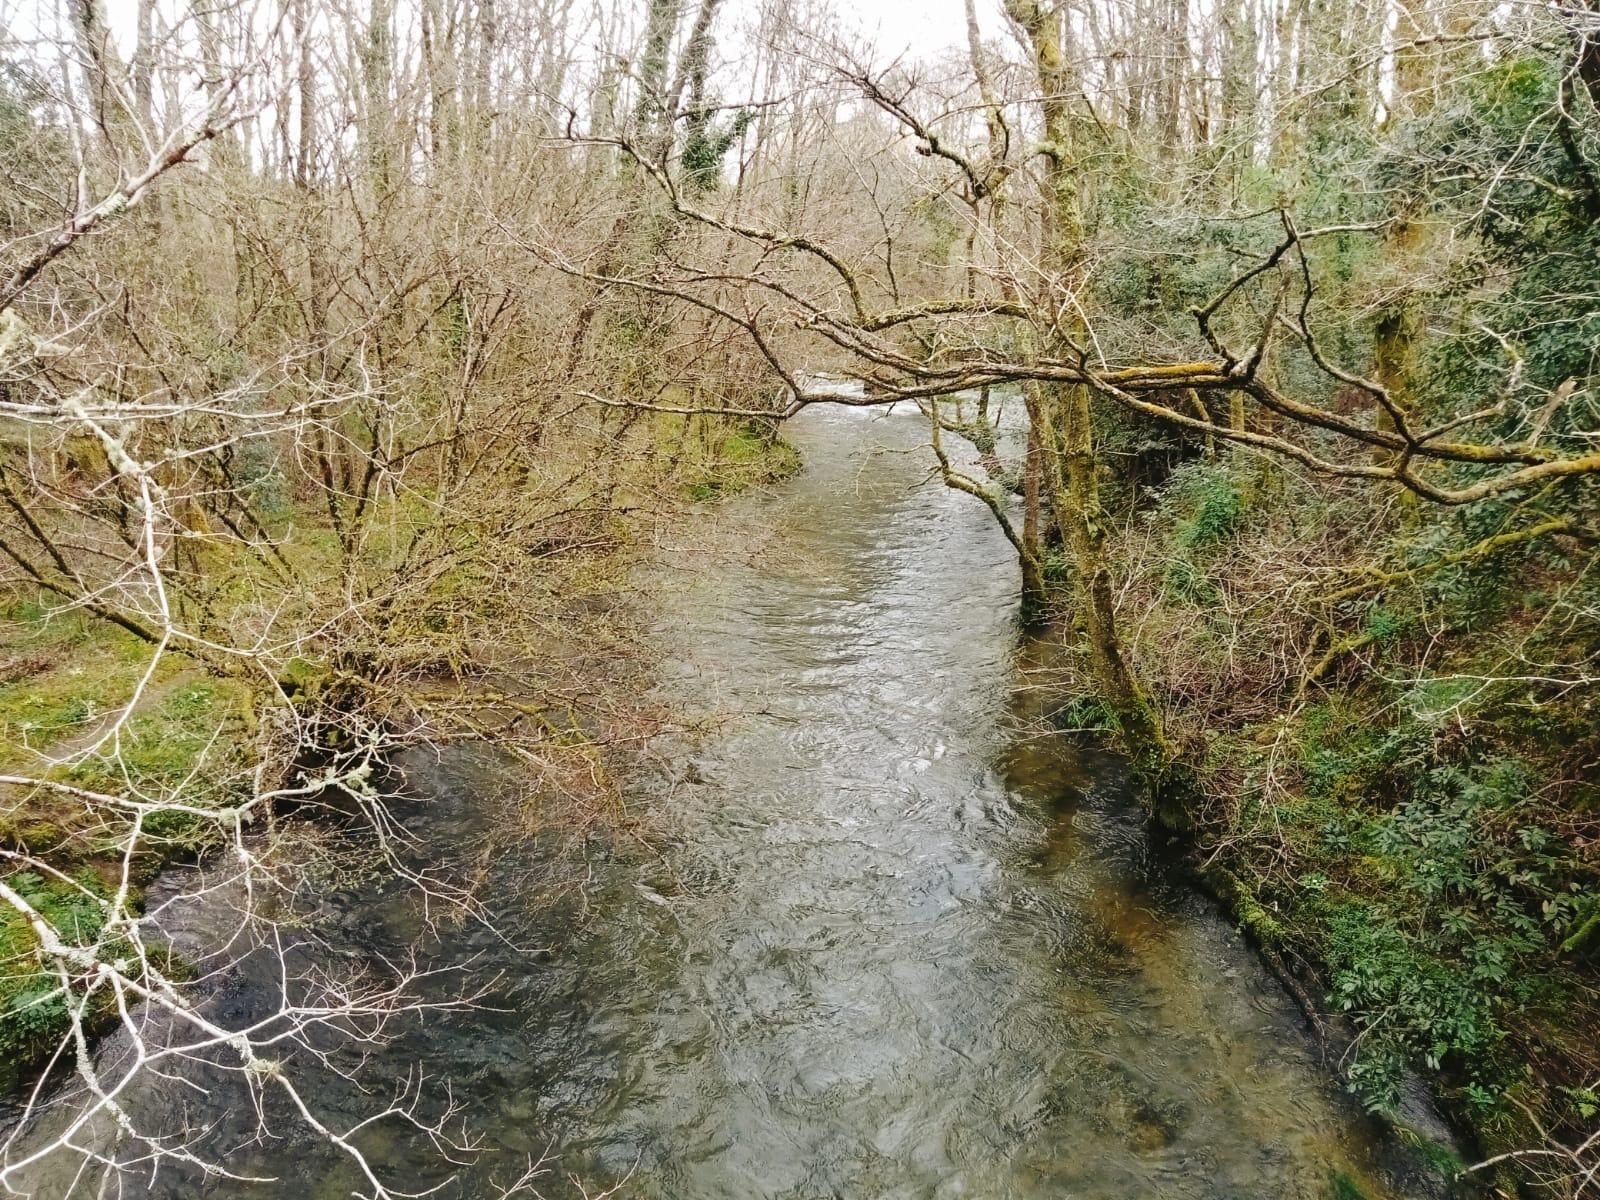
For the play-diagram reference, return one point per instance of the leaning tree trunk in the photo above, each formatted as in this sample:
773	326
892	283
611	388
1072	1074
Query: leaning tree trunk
1076	501
1071	463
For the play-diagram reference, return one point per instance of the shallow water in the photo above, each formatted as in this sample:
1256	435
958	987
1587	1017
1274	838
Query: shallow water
889	945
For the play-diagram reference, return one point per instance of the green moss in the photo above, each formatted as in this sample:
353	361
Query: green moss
1257	921
1585	936
40	836
1441	1157
33	1003
741	459
82	671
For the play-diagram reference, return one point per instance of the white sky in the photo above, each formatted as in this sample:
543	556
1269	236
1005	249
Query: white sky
924	27
913	29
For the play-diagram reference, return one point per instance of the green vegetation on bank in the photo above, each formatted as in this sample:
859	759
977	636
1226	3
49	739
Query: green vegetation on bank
1380	704
67	678
712	460
1397	789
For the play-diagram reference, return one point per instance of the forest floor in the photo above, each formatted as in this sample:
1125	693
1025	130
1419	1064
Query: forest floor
66	679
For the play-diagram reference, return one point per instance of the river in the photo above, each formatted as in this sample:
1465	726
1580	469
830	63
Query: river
886	942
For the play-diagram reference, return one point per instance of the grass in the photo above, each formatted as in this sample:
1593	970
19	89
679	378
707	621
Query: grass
64	674
739	461
59	671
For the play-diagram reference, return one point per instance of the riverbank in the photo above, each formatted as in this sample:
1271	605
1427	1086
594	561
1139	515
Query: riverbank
1396	789
89	709
70	687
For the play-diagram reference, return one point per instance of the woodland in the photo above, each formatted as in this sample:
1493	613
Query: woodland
354	353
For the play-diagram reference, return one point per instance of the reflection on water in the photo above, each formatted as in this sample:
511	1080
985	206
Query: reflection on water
888	948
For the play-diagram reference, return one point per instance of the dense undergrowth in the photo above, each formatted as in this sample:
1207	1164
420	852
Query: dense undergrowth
1387	698
1398	766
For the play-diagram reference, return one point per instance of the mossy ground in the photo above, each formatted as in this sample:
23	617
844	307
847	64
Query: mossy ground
65	679
742	460
706	458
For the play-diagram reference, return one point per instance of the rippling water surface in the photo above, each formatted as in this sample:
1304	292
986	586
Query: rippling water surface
888	947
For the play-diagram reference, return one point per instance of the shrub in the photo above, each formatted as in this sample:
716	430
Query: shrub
1206	503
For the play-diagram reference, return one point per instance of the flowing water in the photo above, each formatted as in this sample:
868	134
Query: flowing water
888	945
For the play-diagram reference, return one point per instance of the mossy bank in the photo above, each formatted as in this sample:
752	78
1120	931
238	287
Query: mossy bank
1393	737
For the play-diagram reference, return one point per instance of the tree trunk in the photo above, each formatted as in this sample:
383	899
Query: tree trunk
1076	501
1399	326
1035	598
1068	435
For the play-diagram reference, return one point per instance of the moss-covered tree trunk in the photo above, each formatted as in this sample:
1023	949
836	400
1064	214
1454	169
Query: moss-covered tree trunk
1400	327
993	192
1066	434
1035	594
1076	503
